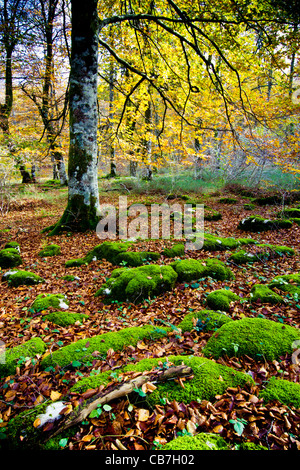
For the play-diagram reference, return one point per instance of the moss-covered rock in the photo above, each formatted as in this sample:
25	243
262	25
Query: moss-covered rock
263	251
82	350
209	379
287	283
228	200
204	320
201	441
106	250
70	278
176	250
65	318
215	243
242	257
211	214
296	220
13	244
255	337
289	212
192	269
28	349
264	294
18	278
136	284
220	299
136	258
50	250
284	391
10	258
249	207
257	223
44	301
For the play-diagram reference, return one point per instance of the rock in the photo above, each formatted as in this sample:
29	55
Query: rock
13	355
264	294
18	278
256	223
45	301
192	269
220	299
10	258
50	250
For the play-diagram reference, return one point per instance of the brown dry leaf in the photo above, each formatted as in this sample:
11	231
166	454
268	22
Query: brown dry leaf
143	414
87	438
55	395
148	387
36	423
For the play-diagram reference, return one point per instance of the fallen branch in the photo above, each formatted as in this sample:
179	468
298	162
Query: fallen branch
119	391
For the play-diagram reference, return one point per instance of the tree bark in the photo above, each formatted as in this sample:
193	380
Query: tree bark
82	212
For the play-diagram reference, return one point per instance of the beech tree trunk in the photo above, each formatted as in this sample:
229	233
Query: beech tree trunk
82	212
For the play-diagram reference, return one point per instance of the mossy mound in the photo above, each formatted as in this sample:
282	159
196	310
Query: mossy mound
106	250
192	269
204	320
136	258
287	283
136	284
249	207
264	294
289	212
220	299
82	350
209	379
296	220
215	243
211	214
50	250
12	244
65	318
201	441
10	258
281	390
18	278
263	251
256	223
176	250
70	278
255	337
12	356
44	301
227	200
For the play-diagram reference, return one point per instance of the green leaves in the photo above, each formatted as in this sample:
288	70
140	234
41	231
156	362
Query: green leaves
238	425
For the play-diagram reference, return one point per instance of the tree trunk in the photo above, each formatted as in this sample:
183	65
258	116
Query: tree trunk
82	212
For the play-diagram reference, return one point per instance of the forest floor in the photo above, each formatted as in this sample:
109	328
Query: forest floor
273	425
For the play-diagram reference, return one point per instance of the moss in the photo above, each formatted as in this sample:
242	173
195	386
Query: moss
136	284
106	250
256	223
251	446
227	200
242	257
10	258
93	381
281	390
211	214
202	441
12	244
28	349
82	350
220	299
43	302
176	250
268	249
255	337
296	220
71	263
18	278
287	283
209	379
264	294
70	277
263	251
136	258
249	207
289	212
50	250
65	318
192	269
270	199
204	320
215	243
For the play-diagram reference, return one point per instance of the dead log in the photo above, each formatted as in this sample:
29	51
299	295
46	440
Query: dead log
118	391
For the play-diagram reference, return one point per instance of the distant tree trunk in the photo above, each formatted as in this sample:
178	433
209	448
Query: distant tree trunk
82	209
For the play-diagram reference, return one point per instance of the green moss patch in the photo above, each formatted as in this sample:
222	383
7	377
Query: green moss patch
201	441
227	200
10	258
242	257
83	349
256	223
211	214
44	301
249	206
176	250
136	284
192	269
209	379
289	212
12	244
136	258
263	251
220	299
255	337
287	283
65	318
204	320
50	250
14	355
215	243
264	294
281	390
18	278
106	250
